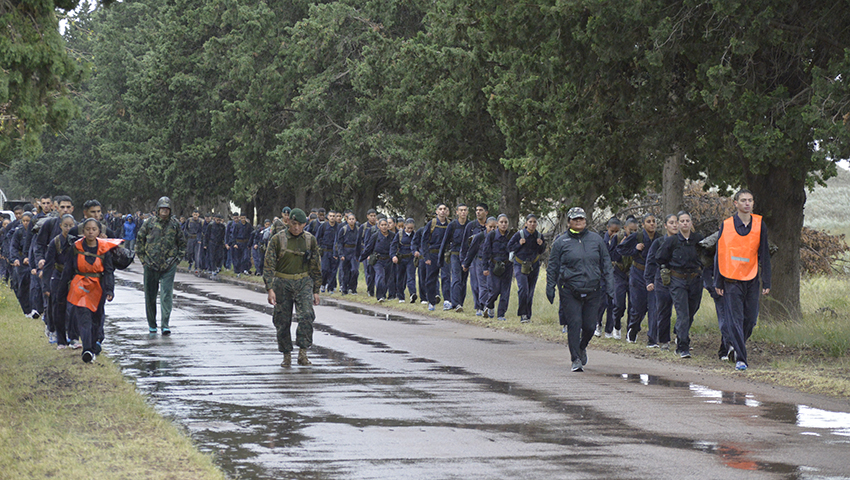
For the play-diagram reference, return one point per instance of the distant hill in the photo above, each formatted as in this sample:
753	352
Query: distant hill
829	207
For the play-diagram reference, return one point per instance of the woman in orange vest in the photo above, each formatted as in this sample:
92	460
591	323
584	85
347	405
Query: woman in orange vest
90	273
741	249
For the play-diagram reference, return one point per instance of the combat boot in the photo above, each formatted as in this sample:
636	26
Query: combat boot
302	357
287	360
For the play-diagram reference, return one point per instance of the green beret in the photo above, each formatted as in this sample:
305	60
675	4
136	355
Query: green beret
298	215
286	210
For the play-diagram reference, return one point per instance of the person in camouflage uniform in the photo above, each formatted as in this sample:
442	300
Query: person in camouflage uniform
160	244
292	276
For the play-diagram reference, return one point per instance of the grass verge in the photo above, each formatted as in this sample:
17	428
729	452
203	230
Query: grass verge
61	418
810	355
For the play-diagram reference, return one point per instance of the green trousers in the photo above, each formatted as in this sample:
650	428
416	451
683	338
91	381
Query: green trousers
297	293
163	283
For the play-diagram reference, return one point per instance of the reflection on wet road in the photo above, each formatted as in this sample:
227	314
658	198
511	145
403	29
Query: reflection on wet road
374	406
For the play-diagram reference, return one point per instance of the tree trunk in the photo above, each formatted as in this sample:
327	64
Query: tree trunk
365	199
587	201
300	198
315	199
509	203
673	183
416	210
780	198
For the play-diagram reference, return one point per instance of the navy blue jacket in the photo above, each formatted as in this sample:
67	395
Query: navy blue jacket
495	248
379	244
347	236
433	240
326	236
528	251
402	244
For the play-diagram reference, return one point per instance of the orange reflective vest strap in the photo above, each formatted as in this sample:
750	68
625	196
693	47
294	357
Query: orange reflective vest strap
85	290
737	255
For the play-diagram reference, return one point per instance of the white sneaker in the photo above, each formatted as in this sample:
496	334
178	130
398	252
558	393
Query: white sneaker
617	335
447	305
609	335
401	300
598	332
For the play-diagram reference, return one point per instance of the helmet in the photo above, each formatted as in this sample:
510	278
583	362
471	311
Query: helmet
163	202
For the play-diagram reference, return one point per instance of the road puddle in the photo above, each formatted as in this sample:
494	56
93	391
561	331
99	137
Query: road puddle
815	421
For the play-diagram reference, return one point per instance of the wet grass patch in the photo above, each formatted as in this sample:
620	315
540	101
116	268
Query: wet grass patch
61	418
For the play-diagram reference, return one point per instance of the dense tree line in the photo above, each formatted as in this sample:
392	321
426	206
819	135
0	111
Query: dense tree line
529	106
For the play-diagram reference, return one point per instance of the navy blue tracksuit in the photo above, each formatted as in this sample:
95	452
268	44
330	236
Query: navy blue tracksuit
347	248
681	257
658	330
639	301
621	287
453	242
473	260
432	240
367	230
379	247
326	237
528	252
496	250
474	265
402	248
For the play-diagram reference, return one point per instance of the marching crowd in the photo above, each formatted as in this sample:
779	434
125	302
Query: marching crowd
634	269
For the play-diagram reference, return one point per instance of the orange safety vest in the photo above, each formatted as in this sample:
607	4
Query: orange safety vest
85	290
737	255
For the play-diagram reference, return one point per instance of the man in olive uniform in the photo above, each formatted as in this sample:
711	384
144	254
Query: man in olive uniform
160	244
293	277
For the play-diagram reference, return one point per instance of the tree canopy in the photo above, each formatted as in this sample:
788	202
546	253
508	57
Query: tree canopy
527	106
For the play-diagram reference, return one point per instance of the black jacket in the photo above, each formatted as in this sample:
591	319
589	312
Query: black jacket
578	262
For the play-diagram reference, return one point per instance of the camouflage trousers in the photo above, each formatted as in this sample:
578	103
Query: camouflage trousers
297	293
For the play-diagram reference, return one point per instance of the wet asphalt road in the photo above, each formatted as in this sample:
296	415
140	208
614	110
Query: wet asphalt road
395	397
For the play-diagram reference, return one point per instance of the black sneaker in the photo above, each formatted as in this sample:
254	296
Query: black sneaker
631	335
166	331
685	354
577	366
88	356
733	356
582	355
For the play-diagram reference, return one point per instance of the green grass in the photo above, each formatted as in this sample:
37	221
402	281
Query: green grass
61	418
826	207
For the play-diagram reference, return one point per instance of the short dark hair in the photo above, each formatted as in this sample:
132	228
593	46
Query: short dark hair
321	210
371	211
17	208
614	221
461	205
91	203
45	196
741	192
62	198
484	206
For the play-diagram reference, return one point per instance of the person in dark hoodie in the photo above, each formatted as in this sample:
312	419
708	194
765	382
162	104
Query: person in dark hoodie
578	263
